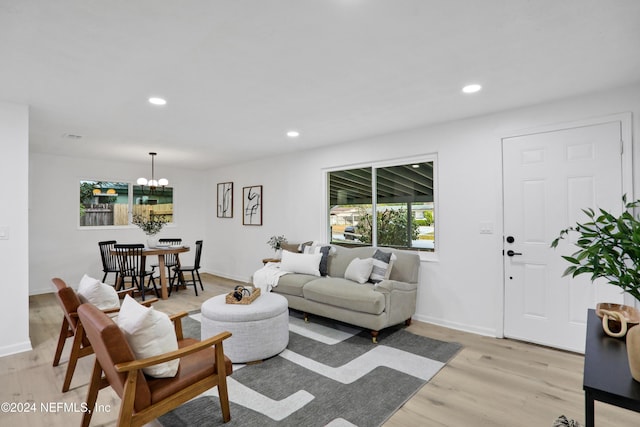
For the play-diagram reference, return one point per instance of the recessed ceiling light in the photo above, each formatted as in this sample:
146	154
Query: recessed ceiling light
157	101
293	134
473	88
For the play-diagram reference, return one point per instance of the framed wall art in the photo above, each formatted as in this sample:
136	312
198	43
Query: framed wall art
225	200
252	205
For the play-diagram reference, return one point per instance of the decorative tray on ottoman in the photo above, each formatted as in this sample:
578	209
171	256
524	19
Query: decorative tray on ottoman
246	299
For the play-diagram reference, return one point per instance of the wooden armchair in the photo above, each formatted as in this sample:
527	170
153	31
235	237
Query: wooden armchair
69	302
145	398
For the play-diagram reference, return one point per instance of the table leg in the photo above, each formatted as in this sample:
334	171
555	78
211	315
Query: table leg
588	409
163	277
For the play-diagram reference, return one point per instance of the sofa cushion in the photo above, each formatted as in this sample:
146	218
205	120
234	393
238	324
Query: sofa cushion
313	248
359	270
301	263
345	294
382	264
343	256
292	284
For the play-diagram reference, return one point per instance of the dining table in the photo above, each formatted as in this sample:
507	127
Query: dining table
160	252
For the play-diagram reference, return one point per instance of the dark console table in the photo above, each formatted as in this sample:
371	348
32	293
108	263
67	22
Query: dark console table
607	377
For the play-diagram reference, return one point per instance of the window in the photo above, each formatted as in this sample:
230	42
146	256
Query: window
108	203
402	197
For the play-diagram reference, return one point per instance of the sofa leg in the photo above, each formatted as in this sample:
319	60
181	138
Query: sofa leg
407	322
306	317
374	337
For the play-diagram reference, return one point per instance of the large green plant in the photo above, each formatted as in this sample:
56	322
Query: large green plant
392	228
608	247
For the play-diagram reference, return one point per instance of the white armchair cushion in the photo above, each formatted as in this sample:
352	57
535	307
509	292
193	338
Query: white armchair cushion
94	292
149	333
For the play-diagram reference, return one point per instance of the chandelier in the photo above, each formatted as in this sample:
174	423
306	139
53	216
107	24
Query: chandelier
152	183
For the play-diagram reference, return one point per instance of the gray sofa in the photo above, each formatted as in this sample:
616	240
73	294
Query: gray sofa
372	306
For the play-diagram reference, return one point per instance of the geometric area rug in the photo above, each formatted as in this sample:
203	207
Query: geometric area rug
330	374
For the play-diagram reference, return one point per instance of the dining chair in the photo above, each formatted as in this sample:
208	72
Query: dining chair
145	398
109	261
178	277
170	260
132	265
69	302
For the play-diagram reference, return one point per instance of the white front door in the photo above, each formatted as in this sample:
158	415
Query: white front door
548	178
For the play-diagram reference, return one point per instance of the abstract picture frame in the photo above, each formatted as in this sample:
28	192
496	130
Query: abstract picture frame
225	200
252	205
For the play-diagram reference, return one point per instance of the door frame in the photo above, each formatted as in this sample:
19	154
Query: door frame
625	119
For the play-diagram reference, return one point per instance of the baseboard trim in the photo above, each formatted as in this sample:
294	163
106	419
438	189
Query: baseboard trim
226	276
16	348
457	326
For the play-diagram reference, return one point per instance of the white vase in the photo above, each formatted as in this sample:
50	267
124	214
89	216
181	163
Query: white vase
152	240
278	254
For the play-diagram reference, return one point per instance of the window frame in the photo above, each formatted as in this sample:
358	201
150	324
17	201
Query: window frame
130	204
423	158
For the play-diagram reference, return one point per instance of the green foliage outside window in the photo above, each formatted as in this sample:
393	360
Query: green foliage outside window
392	228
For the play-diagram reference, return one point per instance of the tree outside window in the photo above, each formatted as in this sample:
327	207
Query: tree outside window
401	196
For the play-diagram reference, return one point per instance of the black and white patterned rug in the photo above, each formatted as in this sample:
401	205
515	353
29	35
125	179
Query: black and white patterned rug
330	374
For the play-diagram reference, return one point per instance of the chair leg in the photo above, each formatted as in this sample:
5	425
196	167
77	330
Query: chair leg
78	350
73	359
64	334
223	394
92	395
200	280
155	288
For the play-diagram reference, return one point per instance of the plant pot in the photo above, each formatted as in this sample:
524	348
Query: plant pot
633	351
152	240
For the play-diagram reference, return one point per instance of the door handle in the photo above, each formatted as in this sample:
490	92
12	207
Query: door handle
512	253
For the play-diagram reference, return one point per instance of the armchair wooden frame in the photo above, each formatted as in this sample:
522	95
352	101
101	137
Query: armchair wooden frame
69	302
132	370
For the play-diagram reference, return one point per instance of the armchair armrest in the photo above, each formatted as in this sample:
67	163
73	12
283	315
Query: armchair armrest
146	303
161	358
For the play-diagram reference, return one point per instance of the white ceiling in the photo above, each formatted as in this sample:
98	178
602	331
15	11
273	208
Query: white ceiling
237	74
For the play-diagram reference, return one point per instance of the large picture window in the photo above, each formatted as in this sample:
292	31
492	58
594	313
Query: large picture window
109	203
402	197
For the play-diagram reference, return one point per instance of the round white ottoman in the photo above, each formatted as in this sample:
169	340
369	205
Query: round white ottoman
259	330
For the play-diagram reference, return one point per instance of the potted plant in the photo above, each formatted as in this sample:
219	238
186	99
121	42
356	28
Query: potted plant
276	243
151	226
609	248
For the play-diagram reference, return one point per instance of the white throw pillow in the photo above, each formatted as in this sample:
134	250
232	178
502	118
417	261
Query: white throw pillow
301	263
149	333
359	270
99	294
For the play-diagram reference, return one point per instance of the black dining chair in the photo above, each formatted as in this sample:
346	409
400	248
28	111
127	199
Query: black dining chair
178	277
170	260
109	260
131	264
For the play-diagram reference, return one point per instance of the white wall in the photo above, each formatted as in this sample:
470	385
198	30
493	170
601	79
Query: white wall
14	252
59	248
463	288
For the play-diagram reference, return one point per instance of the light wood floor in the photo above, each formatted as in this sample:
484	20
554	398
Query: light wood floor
491	382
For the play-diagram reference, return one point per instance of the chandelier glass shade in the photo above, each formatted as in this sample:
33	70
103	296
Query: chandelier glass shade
153	183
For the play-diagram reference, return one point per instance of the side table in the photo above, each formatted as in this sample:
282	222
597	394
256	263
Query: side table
607	377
